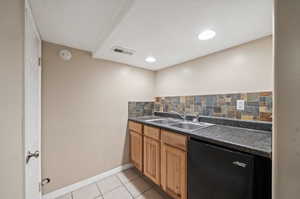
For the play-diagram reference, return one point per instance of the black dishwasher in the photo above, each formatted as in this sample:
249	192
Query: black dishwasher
218	173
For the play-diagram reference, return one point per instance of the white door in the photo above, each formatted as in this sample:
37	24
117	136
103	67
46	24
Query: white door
32	112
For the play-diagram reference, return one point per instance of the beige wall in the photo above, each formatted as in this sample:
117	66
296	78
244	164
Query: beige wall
287	97
85	103
11	98
246	68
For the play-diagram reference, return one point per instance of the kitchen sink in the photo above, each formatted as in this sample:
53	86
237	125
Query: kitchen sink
180	124
190	126
164	121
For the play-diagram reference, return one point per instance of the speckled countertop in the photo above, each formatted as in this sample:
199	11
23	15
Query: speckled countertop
256	142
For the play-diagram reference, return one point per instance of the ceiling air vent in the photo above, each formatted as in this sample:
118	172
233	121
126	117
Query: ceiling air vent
126	51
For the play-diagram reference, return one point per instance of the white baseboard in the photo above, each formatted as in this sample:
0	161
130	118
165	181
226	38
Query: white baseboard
73	187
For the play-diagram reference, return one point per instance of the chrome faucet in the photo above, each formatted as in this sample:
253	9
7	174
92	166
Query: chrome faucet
196	119
182	116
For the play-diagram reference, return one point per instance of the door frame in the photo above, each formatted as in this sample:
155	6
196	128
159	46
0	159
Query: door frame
32	25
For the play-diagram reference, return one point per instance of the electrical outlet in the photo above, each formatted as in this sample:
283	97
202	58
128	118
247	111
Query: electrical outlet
240	105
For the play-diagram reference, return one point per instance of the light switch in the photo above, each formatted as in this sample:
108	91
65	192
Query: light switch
240	105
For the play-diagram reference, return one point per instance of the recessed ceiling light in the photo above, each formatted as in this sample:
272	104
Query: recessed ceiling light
207	34
150	59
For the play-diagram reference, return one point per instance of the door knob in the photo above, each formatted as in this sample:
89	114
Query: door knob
30	155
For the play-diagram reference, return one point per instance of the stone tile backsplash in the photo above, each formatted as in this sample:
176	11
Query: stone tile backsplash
258	106
137	109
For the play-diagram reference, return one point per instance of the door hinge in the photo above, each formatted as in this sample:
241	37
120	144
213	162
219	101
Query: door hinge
40	61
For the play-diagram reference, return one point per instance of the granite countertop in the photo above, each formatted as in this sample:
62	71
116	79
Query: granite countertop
257	142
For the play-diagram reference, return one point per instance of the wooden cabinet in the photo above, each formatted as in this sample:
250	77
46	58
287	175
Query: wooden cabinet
174	171
136	150
152	159
174	164
161	155
152	132
136	144
136	127
174	139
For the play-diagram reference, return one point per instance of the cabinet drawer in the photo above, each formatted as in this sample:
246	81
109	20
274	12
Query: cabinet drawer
136	127
152	132
174	139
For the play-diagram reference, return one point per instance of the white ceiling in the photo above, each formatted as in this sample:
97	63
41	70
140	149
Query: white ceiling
167	30
81	24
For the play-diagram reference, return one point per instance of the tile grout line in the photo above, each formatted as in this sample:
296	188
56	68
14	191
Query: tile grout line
99	190
125	187
89	185
113	188
145	191
151	186
136	178
102	194
121	184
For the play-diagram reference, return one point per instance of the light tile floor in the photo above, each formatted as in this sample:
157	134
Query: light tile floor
127	184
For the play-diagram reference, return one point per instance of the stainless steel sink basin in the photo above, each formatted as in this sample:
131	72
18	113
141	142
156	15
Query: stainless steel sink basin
179	124
164	121
191	126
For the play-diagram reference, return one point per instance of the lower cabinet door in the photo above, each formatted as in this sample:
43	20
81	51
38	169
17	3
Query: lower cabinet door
152	159
174	171
136	150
